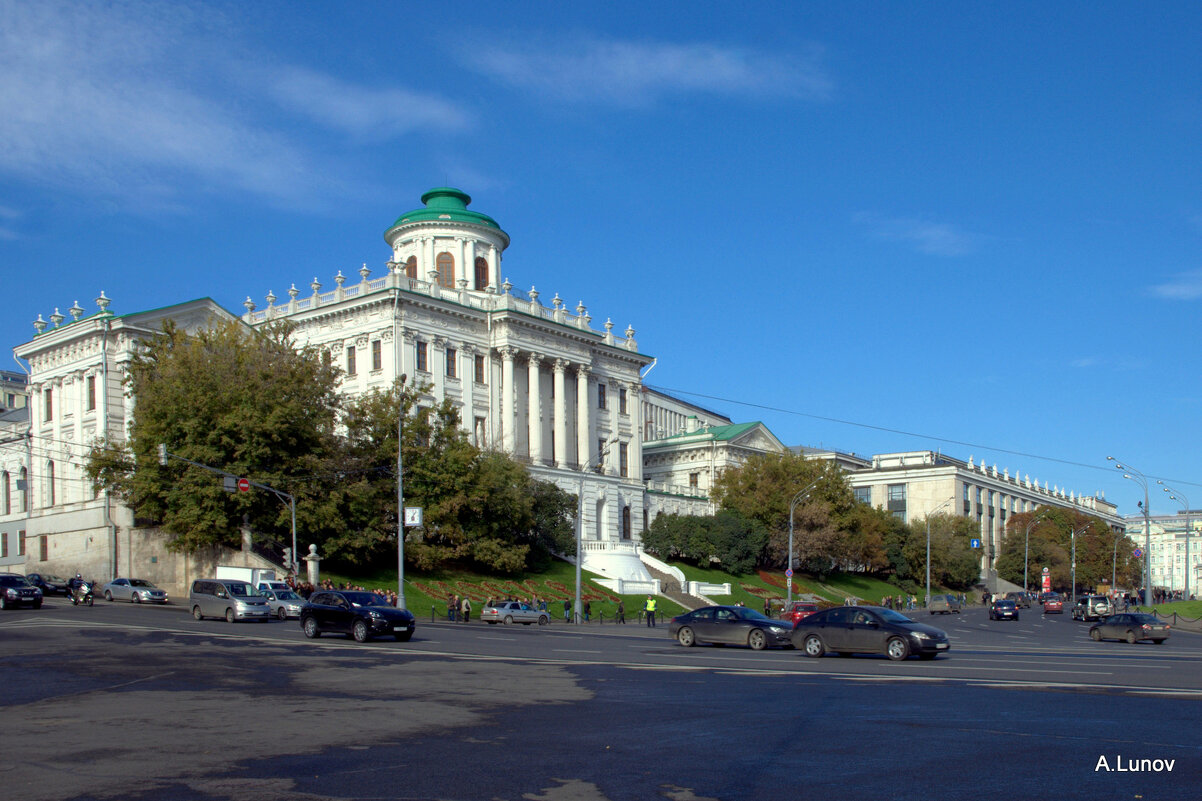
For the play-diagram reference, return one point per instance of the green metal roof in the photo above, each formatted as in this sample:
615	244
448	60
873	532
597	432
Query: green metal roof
444	203
714	433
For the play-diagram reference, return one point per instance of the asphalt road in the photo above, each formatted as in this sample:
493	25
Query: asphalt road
124	701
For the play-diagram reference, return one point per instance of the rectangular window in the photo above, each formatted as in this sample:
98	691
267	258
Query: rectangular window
864	494
20	543
623	465
377	355
452	355
694	479
423	357
91	393
49	405
992	495
350	360
897	492
622	401
600	396
978	496
43	548
3	544
479	369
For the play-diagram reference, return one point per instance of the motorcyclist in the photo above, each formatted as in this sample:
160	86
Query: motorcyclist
74	585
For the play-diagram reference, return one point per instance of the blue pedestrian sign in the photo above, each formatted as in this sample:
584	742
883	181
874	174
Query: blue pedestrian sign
974	543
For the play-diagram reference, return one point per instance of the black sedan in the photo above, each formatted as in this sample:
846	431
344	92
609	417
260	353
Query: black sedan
733	625
49	585
868	630
1131	627
1003	610
361	615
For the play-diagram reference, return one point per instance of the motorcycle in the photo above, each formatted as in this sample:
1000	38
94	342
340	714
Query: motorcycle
81	594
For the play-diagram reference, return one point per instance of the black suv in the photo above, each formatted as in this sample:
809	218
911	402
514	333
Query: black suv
15	591
361	615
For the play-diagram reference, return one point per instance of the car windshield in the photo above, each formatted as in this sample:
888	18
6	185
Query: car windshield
241	590
140	583
890	616
364	599
13	581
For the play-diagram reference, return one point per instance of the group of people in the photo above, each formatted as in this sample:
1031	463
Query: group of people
459	608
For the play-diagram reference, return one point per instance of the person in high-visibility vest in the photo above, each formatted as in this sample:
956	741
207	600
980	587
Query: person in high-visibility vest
649	608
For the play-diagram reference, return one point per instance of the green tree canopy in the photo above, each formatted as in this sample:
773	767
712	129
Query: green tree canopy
726	540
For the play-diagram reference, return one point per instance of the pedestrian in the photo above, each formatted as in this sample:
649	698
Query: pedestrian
466	608
452	607
767	608
586	608
621	611
649	608
567	610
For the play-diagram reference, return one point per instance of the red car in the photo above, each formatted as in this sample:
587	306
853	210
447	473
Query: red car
798	611
1053	605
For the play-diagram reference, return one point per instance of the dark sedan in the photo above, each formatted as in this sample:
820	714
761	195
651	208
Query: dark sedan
1131	627
361	615
729	625
868	630
49	585
1003	610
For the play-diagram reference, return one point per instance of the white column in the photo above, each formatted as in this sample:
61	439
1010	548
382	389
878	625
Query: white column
436	361
561	414
509	397
535	406
584	422
494	266
467	380
461	262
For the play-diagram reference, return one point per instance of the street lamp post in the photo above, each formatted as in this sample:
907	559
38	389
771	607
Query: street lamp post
932	512
1114	562
1139	478
1181	499
1027	548
1076	531
793	505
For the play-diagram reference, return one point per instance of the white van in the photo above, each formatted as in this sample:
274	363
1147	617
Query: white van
233	600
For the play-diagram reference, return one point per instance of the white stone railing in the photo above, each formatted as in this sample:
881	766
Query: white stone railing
629	586
608	546
703	588
493	300
677	489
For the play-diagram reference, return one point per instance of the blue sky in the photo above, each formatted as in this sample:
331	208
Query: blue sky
887	226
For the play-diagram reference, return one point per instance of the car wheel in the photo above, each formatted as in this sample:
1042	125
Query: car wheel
281	613
402	636
108	596
1131	637
196	613
509	620
757	639
90	600
134	599
360	631
897	649
813	646
310	627
1096	635
685	637
229	616
544	620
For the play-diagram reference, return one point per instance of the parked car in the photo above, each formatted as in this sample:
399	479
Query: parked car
1021	599
228	598
1130	626
357	614
49	585
729	625
134	590
798	611
283	603
510	612
1092	607
15	591
944	604
868	629
1003	610
1053	605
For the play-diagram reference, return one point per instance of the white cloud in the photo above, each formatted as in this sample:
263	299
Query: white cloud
150	103
932	238
1183	286
635	73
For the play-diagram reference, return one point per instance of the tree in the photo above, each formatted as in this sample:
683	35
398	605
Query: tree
242	400
727	540
1099	550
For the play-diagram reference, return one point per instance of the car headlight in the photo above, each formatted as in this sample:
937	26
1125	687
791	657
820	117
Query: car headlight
920	635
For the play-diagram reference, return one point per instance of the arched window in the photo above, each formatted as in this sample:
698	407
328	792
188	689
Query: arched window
50	484
446	269
411	267
23	488
481	274
7	503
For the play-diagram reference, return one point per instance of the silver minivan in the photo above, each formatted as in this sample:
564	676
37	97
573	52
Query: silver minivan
228	598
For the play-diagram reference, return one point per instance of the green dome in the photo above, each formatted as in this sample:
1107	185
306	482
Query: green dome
444	204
